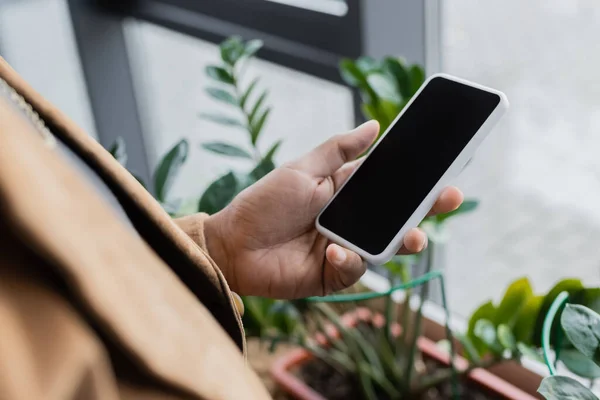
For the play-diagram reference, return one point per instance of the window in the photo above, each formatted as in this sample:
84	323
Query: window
306	35
170	83
538	175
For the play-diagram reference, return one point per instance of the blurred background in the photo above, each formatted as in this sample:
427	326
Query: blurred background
135	69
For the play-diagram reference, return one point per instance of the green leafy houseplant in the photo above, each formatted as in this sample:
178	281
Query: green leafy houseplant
516	323
387	362
385	85
165	174
250	114
380	356
581	326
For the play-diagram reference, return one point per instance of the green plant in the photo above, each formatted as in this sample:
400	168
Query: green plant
385	85
378	353
165	174
515	325
581	326
251	114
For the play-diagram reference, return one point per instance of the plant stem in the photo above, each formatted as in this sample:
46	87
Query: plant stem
418	321
389	313
405	313
238	97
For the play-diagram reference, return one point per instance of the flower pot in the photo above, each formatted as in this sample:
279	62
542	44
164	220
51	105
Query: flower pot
526	376
282	368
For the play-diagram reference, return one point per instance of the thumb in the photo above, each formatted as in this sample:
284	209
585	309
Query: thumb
328	157
343	268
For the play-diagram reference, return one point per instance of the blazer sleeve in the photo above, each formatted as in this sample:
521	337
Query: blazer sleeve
193	226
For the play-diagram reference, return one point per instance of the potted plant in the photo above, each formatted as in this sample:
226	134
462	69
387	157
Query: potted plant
376	356
581	327
520	315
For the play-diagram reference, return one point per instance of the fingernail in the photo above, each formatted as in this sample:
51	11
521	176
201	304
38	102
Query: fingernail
339	255
424	245
365	123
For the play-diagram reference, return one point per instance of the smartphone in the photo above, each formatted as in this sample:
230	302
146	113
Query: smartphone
425	147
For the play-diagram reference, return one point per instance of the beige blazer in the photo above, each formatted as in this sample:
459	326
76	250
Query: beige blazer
88	309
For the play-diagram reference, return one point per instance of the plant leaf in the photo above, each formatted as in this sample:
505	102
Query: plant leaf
247	93
485	330
372	112
255	316
354	77
466	207
271	152
515	297
351	74
416	78
368	65
506	337
572	286
226	149
258	126
582	327
231	50
470	351
253	46
390	109
219	74
263	168
525	322
256	107
564	388
529	352
168	168
396	69
219	193
119	151
222	95
284	317
579	364
485	311
222	119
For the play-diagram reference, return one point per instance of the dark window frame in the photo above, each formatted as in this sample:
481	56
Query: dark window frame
309	41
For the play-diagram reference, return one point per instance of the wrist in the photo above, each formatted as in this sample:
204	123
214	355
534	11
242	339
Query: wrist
216	245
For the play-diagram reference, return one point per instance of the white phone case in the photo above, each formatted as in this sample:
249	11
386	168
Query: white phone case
455	168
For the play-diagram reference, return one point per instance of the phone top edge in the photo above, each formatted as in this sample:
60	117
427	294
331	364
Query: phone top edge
503	98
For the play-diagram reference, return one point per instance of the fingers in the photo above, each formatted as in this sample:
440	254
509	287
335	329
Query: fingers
331	155
414	241
341	175
343	268
450	199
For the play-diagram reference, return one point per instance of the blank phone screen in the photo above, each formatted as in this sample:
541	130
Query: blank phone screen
406	165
